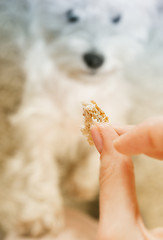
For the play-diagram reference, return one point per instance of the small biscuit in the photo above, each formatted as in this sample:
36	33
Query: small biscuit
92	114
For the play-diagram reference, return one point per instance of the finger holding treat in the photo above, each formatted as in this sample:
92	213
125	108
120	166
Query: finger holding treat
146	138
119	213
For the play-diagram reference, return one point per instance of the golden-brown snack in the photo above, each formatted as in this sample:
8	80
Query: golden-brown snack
92	114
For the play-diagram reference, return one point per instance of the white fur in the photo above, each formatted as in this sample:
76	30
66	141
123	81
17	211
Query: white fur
49	118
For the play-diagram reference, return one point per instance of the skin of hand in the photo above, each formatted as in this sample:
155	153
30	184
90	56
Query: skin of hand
146	138
119	212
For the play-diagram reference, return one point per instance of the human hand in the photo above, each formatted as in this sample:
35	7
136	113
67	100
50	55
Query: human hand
146	138
119	213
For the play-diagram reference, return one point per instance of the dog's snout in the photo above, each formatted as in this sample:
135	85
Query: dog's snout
93	60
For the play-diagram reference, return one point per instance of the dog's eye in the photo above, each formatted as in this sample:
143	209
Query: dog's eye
71	16
116	19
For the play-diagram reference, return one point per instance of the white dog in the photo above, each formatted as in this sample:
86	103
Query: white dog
54	55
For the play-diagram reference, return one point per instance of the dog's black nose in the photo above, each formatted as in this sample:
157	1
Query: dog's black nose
93	60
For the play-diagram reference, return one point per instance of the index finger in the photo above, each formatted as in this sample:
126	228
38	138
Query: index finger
121	129
144	138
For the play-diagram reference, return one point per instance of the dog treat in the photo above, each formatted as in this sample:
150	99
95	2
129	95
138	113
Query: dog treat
92	114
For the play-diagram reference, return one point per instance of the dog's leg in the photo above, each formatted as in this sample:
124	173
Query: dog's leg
31	201
83	183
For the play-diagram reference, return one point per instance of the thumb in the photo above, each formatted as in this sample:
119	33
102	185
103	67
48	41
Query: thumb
118	203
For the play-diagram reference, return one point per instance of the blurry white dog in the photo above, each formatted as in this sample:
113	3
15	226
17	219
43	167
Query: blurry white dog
54	55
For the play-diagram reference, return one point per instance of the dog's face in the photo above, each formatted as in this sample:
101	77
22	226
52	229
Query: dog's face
90	38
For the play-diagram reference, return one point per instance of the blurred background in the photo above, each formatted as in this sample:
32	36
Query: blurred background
53	56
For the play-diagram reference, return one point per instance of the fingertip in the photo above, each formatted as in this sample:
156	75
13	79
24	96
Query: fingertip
103	135
124	145
97	138
107	134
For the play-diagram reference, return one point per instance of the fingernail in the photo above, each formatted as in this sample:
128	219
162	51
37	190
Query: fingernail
97	138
